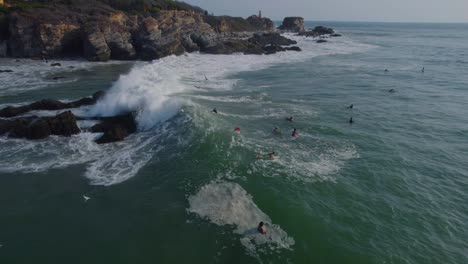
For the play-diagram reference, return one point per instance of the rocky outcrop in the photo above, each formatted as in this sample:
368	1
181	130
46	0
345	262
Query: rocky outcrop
265	43
100	32
115	128
271	39
48	104
63	124
319	31
292	24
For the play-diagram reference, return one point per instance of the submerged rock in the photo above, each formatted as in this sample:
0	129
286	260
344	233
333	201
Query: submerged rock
294	48
48	104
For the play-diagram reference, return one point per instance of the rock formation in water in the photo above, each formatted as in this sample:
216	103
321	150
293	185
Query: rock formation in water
114	128
34	127
292	24
48	104
319	31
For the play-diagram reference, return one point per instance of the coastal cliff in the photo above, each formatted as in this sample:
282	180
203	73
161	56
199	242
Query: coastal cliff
104	30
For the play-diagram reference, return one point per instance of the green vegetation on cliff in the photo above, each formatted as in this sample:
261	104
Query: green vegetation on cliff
124	5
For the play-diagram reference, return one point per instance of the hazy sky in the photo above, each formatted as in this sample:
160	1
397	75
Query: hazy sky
344	10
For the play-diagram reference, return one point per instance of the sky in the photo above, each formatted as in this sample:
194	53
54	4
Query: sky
344	10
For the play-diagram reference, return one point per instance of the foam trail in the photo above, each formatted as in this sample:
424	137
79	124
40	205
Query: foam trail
228	203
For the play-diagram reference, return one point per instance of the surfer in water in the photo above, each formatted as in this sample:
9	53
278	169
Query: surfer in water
295	133
351	120
350	107
261	228
276	131
386	70
206	78
272	155
290	119
215	111
422	70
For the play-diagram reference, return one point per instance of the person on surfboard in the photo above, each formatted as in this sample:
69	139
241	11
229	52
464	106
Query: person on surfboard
261	228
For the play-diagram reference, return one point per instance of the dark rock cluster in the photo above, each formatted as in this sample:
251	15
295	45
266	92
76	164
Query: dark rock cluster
114	128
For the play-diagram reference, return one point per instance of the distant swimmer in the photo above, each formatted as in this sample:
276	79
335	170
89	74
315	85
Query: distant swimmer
350	107
237	129
206	78
391	90
272	155
215	111
290	119
261	228
276	131
422	70
295	133
351	120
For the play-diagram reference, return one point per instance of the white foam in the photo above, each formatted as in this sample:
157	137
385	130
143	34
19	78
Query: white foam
35	74
225	203
156	90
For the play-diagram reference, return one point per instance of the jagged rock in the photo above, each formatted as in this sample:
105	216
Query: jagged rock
271	39
47	104
293	24
95	45
63	124
56	64
115	128
272	49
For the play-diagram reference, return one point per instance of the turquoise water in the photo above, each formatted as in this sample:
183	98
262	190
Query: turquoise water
390	188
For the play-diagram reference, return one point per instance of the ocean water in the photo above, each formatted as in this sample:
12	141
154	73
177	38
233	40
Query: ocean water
390	188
